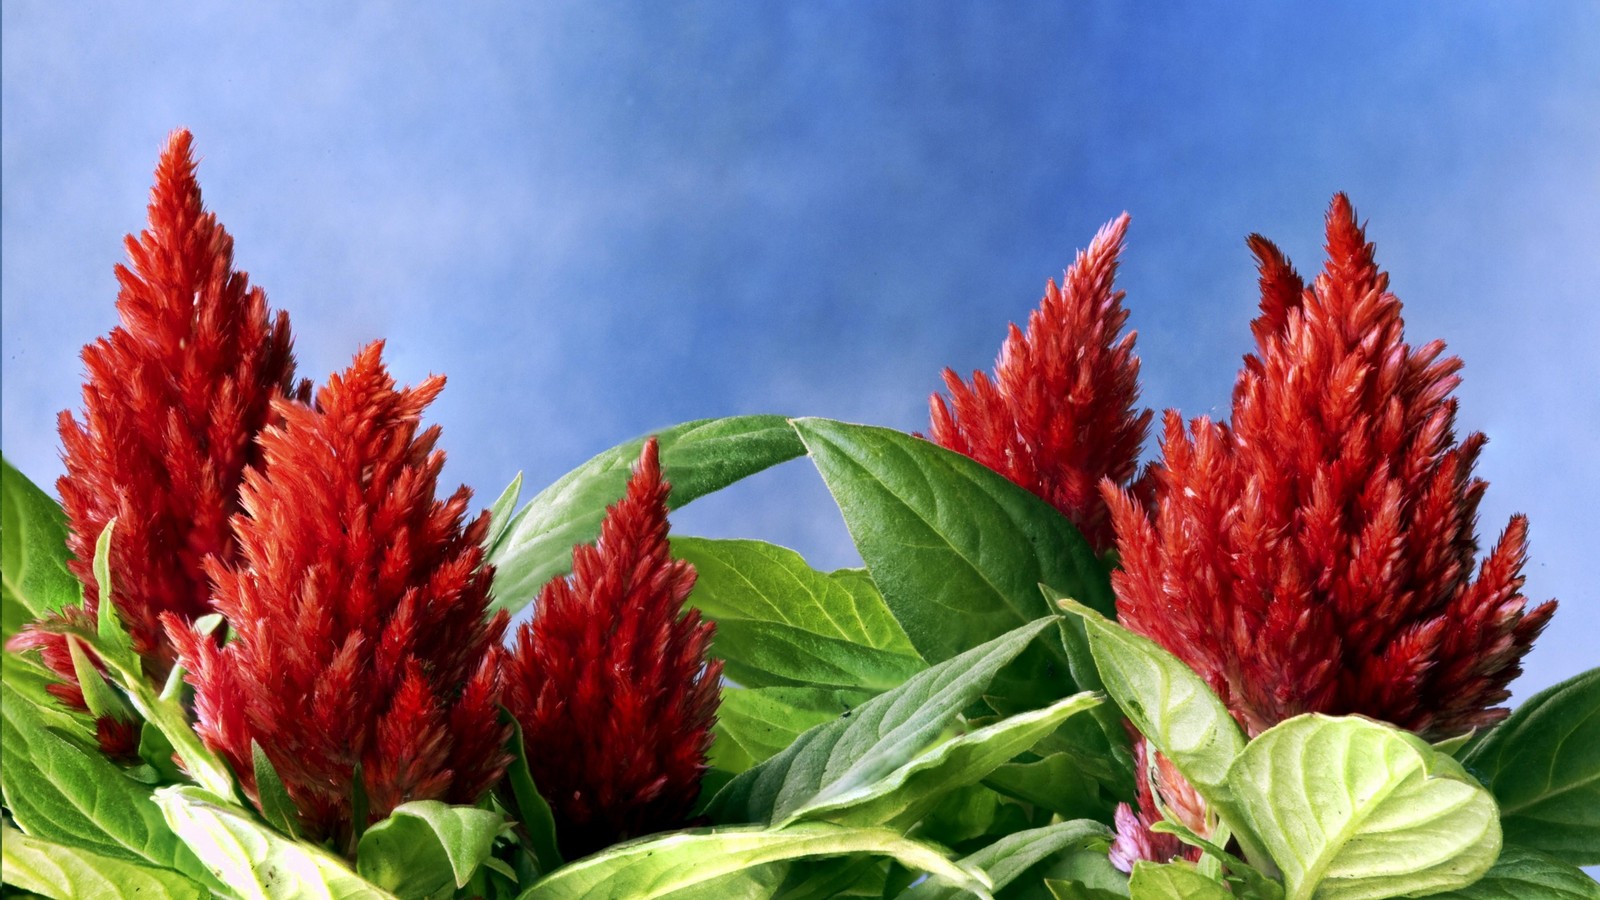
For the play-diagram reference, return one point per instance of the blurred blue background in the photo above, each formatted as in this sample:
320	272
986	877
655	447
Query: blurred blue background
600	219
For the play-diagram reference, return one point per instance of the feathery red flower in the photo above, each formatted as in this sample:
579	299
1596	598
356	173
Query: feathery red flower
174	399
358	608
1058	415
611	685
1318	555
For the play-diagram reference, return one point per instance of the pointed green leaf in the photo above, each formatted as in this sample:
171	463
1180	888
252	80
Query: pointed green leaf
755	724
426	846
682	861
500	514
538	823
66	872
33	554
253	860
1543	766
1521	874
880	736
101	698
956	548
1173	881
1010	857
24	674
114	646
780	622
276	805
696	457
1352	809
1055	782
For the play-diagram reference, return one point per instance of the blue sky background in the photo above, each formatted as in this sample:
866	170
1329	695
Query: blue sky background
600	219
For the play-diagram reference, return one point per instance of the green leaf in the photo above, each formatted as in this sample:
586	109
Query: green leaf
60	791
1075	890
755	724
696	457
656	866
912	790
1543	766
33	554
114	646
500	514
1350	808
253	860
1009	858
537	823
65	872
1173	881
1084	875
956	548
1521	873
883	734
780	622
101	698
31	680
1056	782
415	852
276	805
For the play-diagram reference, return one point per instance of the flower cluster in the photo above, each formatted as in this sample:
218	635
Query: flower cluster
610	682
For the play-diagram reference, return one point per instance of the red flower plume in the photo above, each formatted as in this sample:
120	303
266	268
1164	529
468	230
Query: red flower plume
1058	415
1318	556
358	613
611	685
174	399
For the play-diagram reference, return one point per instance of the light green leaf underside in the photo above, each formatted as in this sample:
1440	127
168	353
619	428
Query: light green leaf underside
1008	858
1173	881
755	724
426	846
64	872
696	457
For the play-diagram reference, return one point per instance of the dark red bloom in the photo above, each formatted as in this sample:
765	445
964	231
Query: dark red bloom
1058	415
1318	555
174	399
358	607
611	684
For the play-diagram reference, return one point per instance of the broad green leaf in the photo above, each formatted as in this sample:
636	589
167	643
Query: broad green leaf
426	846
956	548
537	822
696	457
1083	875
254	861
276	805
1173	881
880	736
64	872
1007	859
1543	766
1521	874
755	724
60	791
1350	809
654	867
1075	890
912	790
33	554
24	674
967	818
780	622
1055	782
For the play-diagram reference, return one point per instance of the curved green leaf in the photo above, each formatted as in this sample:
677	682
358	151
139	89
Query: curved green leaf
956	548
880	736
1010	857
426	846
254	861
780	622
755	724
1543	766
696	457
1352	809
1173	881
1520	874
63	872
33	553
655	867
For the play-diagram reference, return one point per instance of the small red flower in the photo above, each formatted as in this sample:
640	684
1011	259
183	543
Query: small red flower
357	605
611	684
1058	415
174	399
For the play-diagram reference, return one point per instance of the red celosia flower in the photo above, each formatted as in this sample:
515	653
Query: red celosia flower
1058	415
358	613
611	685
174	399
1318	555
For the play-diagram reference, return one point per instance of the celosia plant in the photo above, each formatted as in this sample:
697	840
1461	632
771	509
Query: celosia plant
348	729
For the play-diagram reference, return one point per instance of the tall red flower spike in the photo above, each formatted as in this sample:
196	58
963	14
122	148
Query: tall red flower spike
1058	415
358	613
174	399
611	685
1318	556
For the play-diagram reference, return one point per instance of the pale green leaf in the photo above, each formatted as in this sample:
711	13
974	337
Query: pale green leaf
1351	809
1543	766
505	506
1008	858
880	736
101	698
1173	881
654	867
277	807
755	724
65	872
697	458
1523	874
254	861
33	554
425	846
